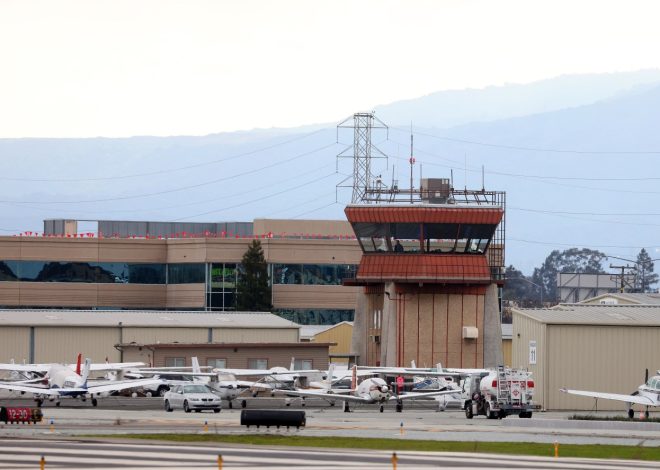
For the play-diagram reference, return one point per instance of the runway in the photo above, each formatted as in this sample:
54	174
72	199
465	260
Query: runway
63	437
20	454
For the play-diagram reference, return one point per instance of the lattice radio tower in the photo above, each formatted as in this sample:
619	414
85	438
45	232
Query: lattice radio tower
366	189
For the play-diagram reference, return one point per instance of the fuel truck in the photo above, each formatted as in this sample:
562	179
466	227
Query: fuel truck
499	393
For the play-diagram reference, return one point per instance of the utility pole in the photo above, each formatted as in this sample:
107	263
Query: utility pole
622	275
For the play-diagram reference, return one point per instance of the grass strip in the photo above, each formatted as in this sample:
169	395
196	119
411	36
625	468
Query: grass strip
613	418
512	448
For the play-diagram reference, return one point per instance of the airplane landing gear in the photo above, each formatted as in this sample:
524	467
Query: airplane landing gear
631	413
230	405
95	402
39	403
243	403
347	409
57	403
382	408
399	406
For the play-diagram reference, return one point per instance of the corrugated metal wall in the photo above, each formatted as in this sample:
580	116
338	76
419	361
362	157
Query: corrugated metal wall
62	344
599	358
255	335
15	343
525	330
165	335
341	335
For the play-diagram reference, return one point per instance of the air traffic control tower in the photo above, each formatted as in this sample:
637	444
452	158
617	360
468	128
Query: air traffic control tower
431	270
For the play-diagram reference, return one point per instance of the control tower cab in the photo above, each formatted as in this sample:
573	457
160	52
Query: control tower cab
431	273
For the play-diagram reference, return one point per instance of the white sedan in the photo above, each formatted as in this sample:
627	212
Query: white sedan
192	397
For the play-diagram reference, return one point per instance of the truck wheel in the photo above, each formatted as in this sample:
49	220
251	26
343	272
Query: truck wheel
468	412
489	413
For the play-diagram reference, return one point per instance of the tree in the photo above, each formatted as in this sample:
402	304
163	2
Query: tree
520	289
253	290
644	275
573	260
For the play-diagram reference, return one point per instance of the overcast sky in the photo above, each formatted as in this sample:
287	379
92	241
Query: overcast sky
121	68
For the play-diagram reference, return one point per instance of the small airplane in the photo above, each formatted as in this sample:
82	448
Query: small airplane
370	391
59	380
647	394
225	382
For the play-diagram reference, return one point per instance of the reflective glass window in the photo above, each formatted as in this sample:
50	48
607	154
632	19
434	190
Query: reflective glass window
223	276
408	236
315	316
373	237
440	238
287	274
260	364
175	362
8	270
185	273
216	363
319	274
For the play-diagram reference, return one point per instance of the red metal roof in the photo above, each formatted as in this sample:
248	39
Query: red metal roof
418	214
424	268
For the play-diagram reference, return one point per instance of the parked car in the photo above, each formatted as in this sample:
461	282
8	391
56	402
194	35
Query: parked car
192	397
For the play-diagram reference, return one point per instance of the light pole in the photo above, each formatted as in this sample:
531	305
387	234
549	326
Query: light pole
534	284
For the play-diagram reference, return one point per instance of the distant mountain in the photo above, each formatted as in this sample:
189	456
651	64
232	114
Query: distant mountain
455	107
282	173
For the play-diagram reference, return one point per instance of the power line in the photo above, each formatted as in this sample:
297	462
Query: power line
170	170
460	165
182	188
245	203
573	245
175	206
534	149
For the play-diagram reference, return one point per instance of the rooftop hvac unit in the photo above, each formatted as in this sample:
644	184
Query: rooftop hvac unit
435	190
470	332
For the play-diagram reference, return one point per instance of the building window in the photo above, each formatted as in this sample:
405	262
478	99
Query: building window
216	363
259	364
186	273
312	274
318	316
175	362
221	289
303	364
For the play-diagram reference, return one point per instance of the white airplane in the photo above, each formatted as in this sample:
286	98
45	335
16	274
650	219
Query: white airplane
59	380
225	382
370	391
647	394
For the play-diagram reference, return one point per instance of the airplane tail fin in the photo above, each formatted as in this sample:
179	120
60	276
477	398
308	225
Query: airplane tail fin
438	367
195	365
354	378
413	364
78	363
331	375
85	371
293	364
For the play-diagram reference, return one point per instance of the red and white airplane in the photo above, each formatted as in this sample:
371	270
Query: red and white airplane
55	381
647	394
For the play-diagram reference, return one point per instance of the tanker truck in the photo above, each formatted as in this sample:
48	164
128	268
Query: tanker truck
498	393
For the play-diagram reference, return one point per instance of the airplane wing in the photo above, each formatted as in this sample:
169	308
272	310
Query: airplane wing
38	368
415	395
112	365
404	371
325	395
640	400
165	373
30	389
120	385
